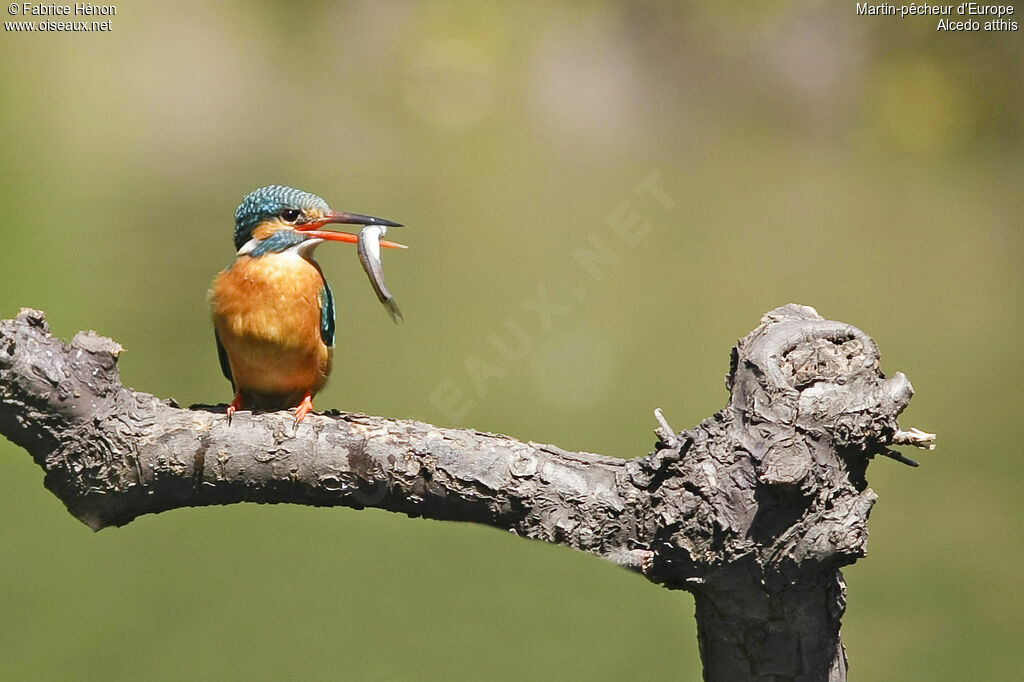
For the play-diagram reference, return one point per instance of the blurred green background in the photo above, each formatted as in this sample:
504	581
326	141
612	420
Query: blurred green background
868	166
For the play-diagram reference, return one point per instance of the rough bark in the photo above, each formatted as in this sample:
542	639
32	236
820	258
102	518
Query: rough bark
753	511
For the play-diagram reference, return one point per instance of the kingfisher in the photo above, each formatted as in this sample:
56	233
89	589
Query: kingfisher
273	310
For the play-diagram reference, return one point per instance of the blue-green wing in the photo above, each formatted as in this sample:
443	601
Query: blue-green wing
327	315
225	366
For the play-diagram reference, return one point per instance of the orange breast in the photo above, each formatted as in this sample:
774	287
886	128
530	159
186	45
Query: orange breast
267	313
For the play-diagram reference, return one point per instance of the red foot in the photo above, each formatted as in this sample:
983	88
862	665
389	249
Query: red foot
304	408
235	405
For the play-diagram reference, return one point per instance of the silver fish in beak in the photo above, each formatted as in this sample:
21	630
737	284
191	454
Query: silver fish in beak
368	247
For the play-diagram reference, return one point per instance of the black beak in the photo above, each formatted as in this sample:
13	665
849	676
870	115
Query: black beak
358	219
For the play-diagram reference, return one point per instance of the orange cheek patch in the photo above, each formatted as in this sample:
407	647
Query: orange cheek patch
264	230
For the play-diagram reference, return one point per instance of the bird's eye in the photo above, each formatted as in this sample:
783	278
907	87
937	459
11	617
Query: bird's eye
290	215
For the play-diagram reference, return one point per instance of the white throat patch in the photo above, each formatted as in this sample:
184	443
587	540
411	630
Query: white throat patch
303	248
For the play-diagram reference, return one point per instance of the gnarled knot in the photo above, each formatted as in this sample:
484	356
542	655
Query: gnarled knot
797	369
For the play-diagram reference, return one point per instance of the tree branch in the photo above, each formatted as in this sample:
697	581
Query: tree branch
753	511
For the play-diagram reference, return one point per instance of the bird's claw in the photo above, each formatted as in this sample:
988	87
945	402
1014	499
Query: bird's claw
304	408
235	405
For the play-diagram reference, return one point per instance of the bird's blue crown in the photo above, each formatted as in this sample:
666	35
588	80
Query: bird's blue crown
268	202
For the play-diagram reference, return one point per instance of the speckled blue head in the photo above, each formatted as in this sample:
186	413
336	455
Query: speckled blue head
267	203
